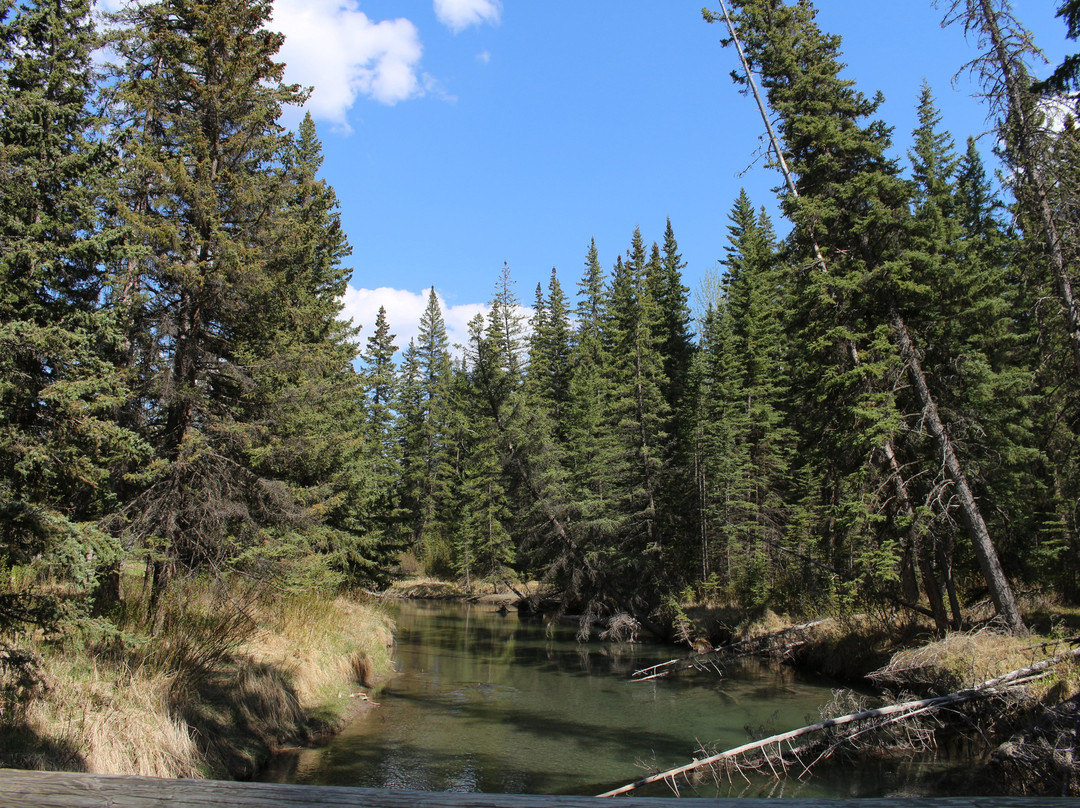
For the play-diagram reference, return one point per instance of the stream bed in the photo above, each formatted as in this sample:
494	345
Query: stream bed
483	701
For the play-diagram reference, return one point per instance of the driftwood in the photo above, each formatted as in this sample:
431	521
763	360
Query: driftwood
892	714
761	644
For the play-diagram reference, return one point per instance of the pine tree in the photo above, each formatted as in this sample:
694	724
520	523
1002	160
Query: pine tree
58	441
195	102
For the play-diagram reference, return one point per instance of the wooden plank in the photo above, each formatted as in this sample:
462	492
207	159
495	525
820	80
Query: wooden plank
23	789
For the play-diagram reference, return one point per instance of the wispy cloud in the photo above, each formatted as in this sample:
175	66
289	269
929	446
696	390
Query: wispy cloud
458	15
337	49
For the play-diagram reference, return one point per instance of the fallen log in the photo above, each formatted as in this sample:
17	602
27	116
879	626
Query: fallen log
893	712
746	647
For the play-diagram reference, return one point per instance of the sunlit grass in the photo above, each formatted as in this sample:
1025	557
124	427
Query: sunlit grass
234	674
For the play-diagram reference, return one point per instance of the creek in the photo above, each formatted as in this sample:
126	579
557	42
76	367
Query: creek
486	702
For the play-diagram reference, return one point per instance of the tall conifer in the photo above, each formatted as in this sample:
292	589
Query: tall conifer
58	391
195	101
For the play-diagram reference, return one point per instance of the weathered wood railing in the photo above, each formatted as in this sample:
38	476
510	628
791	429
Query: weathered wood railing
23	789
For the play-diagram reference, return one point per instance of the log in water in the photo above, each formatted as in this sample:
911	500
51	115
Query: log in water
487	703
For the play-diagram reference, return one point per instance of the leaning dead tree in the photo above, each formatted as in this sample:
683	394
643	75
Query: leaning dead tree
1028	139
859	724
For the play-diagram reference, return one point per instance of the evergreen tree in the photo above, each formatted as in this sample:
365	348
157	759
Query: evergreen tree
304	402
1066	76
58	440
549	355
588	398
677	346
381	402
1045	165
426	453
852	204
636	447
963	306
484	546
195	100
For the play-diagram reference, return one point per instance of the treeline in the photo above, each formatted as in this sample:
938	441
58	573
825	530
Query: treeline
882	406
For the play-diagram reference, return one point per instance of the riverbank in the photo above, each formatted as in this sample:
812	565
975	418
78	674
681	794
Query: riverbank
1028	735
230	679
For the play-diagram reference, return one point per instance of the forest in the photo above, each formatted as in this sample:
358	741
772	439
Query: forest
881	407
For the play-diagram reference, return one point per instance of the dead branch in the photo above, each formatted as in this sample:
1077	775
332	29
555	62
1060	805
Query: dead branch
894	712
760	644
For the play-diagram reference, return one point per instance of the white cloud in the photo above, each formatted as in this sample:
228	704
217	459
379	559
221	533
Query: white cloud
484	57
334	47
403	312
458	15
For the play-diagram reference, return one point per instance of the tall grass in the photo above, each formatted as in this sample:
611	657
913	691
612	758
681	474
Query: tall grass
234	674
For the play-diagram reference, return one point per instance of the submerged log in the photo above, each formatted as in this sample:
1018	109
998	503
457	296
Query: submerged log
751	646
893	713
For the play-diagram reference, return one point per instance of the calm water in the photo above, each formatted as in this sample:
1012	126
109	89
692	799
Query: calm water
485	702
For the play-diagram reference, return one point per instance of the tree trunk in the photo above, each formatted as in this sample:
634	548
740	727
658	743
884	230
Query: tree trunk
1000	591
1032	176
917	548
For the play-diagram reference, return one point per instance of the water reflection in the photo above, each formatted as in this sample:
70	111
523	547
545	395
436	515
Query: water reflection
485	702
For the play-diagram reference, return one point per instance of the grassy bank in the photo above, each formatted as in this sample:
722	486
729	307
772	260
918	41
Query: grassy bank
235	673
1027	734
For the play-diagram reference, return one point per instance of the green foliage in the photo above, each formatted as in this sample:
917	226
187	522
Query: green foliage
177	387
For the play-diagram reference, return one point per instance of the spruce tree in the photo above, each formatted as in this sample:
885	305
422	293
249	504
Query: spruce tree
483	547
635	444
1066	76
381	393
588	396
549	355
195	100
851	204
59	443
1044	170
427	462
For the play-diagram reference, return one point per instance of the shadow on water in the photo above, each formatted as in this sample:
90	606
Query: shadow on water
485	702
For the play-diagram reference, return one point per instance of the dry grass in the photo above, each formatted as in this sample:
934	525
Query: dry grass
99	719
326	646
230	679
965	659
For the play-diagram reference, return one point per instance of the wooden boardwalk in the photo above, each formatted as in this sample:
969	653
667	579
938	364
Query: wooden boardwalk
22	789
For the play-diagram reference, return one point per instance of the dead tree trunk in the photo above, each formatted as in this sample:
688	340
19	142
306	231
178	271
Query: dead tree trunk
891	712
1009	78
989	563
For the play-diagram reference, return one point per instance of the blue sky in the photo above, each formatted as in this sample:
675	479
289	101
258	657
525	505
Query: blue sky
460	134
